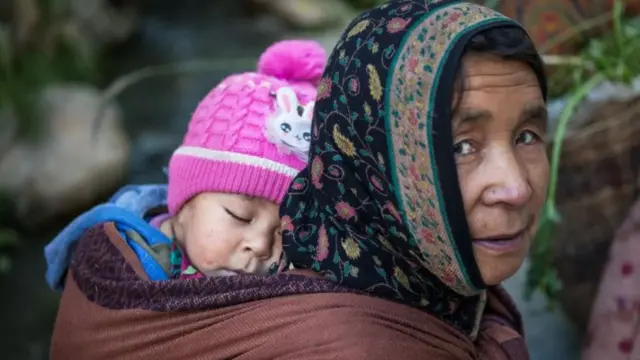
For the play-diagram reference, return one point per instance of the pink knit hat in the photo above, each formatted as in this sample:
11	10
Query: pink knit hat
250	135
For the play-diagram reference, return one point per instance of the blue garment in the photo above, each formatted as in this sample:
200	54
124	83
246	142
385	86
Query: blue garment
126	210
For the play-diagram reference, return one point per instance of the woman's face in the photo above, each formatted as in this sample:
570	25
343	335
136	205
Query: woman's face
498	130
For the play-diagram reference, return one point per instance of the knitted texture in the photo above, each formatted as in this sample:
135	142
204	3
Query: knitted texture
250	134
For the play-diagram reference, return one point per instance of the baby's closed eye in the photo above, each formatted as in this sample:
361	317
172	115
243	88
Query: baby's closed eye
244	218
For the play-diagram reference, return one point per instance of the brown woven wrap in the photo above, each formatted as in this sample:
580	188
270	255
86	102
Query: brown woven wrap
597	185
109	310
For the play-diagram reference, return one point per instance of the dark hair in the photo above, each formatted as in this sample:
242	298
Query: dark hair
509	43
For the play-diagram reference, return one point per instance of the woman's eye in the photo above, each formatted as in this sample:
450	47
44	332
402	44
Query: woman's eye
237	217
527	138
463	148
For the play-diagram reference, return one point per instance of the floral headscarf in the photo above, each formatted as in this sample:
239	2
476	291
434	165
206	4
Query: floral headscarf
379	208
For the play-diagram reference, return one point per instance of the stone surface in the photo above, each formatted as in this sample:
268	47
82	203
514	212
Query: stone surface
105	22
549	334
70	167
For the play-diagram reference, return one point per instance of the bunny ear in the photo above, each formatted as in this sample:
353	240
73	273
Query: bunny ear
286	99
308	111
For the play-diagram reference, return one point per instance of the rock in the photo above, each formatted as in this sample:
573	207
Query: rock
70	168
105	22
93	22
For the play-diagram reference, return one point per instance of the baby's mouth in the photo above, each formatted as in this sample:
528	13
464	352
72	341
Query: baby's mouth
224	272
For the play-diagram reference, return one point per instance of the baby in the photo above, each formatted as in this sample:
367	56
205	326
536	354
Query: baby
246	141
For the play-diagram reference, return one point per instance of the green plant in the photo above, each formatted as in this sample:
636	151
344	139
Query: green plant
542	275
52	50
42	47
613	57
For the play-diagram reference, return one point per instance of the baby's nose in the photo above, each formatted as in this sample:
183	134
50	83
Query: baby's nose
260	247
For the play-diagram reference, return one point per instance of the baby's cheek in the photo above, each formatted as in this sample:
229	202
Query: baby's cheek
204	253
207	259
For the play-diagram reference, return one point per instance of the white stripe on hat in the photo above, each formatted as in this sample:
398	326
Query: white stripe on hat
243	159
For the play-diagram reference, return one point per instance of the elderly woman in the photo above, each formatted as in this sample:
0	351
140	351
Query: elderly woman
428	167
426	176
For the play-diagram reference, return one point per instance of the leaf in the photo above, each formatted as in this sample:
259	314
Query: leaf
346	270
336	257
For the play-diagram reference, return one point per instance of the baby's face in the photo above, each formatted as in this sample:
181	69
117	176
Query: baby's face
225	234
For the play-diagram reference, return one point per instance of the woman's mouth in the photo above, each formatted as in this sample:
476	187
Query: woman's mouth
504	243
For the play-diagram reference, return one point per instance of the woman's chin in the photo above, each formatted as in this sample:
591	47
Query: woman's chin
495	265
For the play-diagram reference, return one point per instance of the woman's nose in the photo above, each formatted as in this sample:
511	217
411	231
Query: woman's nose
507	180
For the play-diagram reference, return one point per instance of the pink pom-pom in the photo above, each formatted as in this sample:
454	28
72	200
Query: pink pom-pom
294	61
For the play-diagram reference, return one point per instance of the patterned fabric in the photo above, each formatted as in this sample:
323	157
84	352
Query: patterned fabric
181	266
378	207
614	327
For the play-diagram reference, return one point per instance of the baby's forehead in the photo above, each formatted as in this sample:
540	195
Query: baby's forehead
242	197
246	197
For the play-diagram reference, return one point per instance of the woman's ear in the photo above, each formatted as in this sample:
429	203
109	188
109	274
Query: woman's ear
286	99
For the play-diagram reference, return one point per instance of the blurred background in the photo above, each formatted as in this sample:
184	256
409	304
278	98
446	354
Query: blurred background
95	94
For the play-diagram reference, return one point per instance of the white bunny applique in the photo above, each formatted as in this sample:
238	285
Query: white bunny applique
290	127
